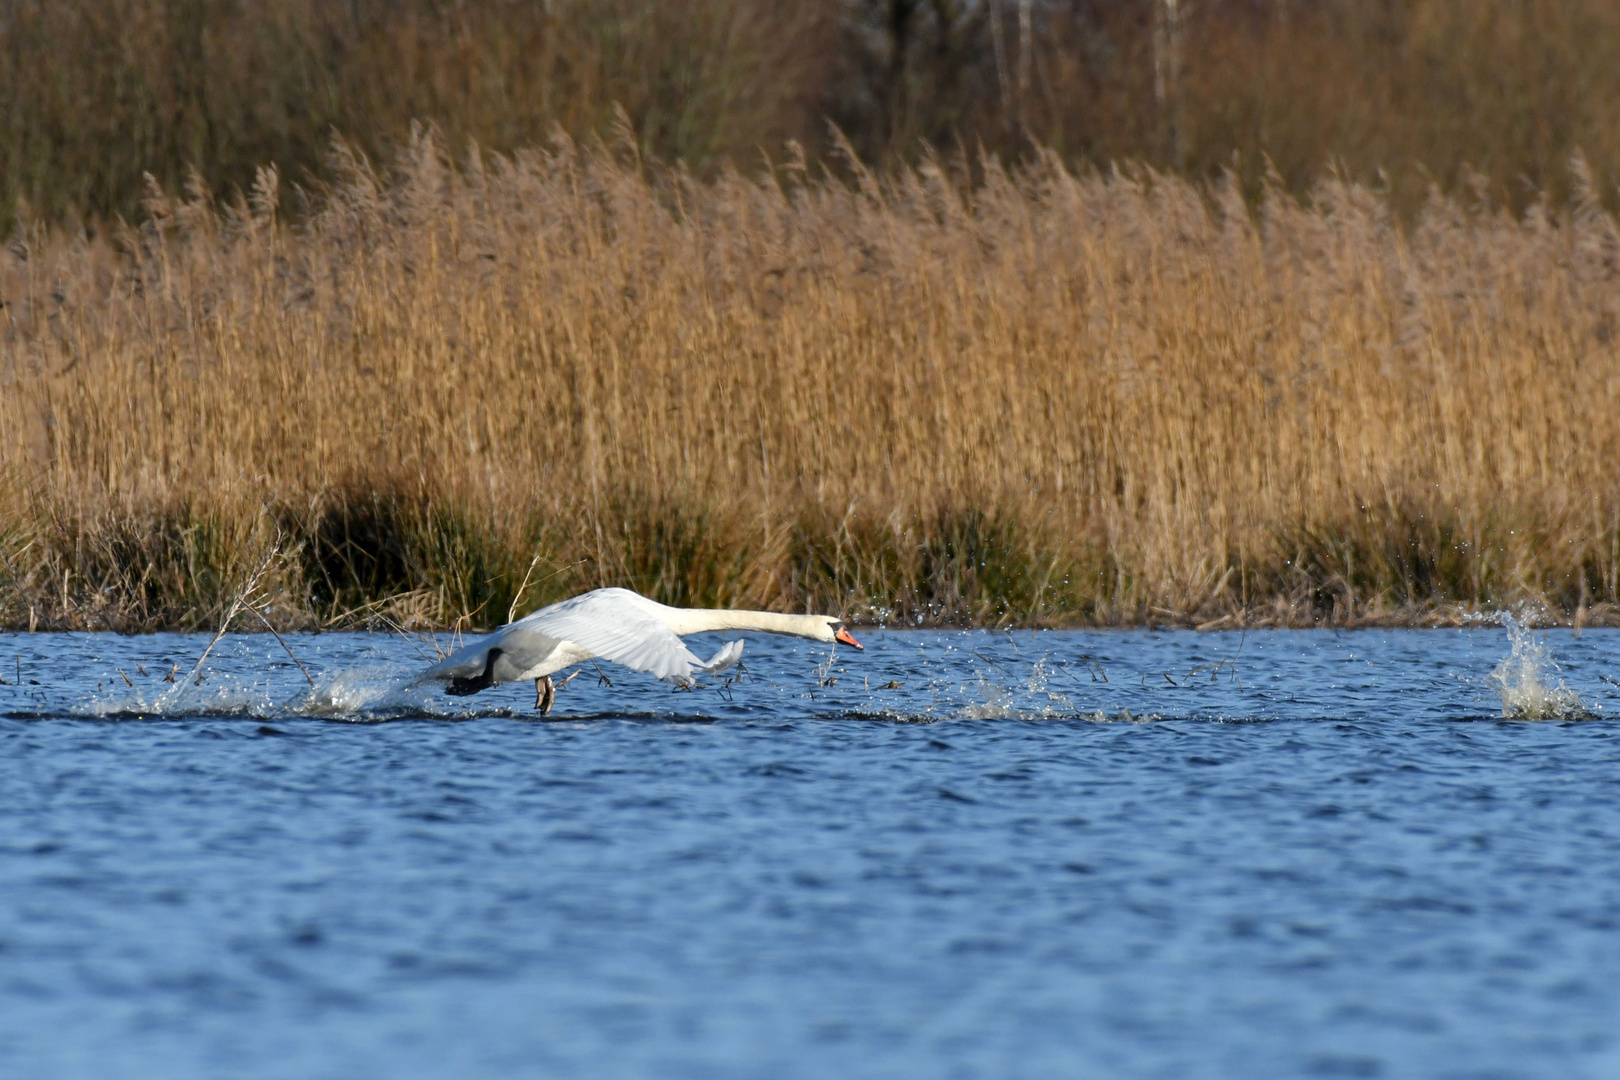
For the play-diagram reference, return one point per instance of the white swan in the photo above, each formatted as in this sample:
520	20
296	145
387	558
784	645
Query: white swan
617	625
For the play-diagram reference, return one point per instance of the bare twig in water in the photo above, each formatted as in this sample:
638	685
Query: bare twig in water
511	609
284	645
824	675
236	605
414	639
991	662
1227	664
465	618
1093	668
517	597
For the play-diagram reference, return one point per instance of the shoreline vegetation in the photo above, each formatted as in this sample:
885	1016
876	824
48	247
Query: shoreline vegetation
948	393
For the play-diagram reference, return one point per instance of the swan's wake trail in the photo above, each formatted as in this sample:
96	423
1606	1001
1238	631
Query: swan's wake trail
363	694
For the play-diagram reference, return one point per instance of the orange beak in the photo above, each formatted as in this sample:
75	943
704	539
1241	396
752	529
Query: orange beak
845	637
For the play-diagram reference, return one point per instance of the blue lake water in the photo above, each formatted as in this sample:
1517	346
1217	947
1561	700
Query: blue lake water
1118	854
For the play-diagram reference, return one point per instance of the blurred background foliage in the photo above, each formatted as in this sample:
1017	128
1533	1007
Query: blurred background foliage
1492	95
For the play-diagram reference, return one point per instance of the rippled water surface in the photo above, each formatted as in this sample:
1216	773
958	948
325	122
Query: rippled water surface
970	855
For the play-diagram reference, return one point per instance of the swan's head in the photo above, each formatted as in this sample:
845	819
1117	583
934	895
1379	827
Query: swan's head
836	632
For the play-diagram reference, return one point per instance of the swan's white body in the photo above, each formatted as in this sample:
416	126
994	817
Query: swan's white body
616	625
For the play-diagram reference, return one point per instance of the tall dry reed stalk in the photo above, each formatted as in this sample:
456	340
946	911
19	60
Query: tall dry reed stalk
1043	398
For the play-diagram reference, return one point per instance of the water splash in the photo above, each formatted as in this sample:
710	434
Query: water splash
363	693
219	697
1003	696
367	692
1530	681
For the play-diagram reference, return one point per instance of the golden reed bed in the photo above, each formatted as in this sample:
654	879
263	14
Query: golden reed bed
1040	398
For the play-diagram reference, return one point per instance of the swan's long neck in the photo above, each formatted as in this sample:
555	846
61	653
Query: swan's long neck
698	620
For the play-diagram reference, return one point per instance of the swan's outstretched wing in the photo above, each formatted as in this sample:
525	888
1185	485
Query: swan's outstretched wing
730	653
617	625
612	624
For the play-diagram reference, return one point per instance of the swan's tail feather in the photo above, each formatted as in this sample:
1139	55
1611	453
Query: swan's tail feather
728	656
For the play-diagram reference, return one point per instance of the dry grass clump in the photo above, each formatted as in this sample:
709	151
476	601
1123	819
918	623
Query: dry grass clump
476	386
